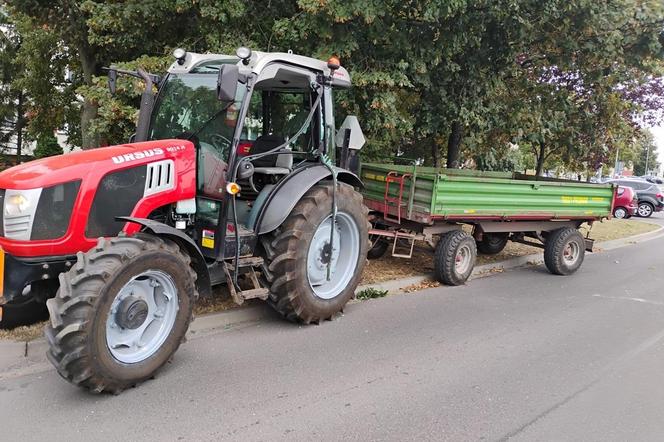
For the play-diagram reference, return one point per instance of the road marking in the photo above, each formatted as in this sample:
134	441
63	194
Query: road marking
627	298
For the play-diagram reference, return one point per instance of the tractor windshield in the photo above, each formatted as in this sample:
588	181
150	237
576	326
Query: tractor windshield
188	105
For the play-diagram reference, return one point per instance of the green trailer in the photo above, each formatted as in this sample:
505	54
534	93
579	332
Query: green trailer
409	203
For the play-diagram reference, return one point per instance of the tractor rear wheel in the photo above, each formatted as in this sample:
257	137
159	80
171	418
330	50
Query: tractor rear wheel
299	253
121	312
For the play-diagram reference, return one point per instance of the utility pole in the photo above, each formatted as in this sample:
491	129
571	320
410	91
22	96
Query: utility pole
647	157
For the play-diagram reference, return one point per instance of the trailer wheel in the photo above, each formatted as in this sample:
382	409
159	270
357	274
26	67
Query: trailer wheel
377	248
298	252
493	243
564	251
121	312
454	259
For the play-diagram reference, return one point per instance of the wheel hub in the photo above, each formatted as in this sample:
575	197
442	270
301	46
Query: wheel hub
132	313
326	253
571	252
142	316
340	257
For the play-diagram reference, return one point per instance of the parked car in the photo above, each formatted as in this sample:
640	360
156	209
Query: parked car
625	203
653	179
649	195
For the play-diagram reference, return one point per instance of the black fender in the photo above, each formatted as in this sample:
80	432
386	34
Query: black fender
203	284
288	192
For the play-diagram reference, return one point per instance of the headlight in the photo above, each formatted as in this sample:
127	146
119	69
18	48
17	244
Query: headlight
17	204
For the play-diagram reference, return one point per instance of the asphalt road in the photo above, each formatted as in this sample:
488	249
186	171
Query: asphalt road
523	356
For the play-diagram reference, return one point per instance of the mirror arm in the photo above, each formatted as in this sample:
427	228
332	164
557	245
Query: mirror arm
140	74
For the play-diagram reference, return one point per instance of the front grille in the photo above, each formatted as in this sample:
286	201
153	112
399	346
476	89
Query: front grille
54	210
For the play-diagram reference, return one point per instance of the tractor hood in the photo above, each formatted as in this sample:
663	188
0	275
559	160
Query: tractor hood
77	165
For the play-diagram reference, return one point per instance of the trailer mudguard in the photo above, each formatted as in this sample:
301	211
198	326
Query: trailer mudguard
203	284
287	193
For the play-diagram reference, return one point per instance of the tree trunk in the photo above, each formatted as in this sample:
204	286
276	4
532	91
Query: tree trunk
540	159
19	127
435	153
89	109
453	145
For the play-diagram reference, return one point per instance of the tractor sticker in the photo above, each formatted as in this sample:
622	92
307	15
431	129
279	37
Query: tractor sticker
208	239
177	148
137	155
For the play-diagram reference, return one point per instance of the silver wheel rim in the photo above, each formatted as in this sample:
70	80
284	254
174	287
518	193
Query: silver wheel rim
157	291
343	256
644	210
462	259
571	252
620	213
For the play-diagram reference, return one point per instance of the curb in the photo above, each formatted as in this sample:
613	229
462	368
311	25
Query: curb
17	355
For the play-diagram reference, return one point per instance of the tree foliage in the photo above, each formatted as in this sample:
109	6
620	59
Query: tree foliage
47	146
456	81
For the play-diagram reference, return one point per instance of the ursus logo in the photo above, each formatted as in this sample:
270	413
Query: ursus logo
137	155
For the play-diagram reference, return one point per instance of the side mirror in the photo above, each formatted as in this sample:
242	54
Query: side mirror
350	134
229	75
112	79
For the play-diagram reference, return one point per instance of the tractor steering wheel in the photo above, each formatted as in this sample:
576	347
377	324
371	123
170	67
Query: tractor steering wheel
220	142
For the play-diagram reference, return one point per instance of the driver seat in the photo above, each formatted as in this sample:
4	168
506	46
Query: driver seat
280	164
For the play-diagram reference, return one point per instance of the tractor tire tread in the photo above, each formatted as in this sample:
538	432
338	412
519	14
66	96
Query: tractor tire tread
284	295
69	312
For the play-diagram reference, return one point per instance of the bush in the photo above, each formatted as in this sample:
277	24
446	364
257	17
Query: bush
370	293
47	146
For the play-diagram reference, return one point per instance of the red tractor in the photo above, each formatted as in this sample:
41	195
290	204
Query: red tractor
229	178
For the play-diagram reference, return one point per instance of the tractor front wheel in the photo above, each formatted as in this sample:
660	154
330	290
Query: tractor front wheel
310	279
121	312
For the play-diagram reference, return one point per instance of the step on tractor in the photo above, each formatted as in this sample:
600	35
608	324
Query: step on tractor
235	175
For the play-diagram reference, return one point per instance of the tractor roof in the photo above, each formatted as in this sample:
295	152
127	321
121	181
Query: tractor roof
194	62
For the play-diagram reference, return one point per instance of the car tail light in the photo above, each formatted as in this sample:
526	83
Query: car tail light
660	197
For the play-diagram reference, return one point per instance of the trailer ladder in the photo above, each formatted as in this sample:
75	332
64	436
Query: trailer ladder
394	201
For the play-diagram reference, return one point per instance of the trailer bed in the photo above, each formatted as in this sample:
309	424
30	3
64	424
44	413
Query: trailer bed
426	195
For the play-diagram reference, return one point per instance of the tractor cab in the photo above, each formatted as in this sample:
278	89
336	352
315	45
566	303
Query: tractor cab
275	116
